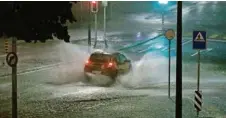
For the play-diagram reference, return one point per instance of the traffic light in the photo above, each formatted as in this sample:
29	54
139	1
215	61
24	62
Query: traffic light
94	6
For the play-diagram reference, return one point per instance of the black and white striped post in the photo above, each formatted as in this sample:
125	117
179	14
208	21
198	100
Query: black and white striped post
198	101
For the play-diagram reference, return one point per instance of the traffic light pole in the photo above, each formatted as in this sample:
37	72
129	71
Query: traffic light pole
89	28
95	15
178	113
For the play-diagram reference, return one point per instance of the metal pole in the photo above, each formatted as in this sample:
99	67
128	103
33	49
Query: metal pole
198	80
169	69
178	112
89	27
95	30
105	41
14	83
198	75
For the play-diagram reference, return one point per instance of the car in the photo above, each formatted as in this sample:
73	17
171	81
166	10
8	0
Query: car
107	64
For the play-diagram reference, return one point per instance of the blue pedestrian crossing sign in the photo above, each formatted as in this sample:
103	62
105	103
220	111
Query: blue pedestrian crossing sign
199	40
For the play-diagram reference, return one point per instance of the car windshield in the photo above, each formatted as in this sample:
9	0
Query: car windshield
100	58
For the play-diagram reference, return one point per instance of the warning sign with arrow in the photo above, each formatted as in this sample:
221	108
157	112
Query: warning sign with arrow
199	40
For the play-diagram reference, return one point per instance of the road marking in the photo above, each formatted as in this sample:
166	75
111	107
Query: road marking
186	42
208	49
146	49
215	40
4	55
196	53
166	48
36	69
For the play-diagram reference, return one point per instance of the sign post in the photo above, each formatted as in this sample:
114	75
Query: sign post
169	34
105	4
12	61
199	43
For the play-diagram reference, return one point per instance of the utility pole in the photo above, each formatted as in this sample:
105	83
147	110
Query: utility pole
178	113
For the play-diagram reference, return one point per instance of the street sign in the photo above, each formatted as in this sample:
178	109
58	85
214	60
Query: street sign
170	34
198	101
12	59
199	40
105	3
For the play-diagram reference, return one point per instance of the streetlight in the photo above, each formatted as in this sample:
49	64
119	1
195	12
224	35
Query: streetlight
163	1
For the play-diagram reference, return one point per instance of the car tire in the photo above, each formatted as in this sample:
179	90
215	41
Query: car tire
86	78
113	79
114	75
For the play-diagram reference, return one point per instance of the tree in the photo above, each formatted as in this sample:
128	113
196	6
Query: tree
35	21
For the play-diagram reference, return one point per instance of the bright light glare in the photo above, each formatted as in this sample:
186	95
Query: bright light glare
163	1
110	64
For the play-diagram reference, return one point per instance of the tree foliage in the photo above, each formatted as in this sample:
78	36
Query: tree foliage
35	21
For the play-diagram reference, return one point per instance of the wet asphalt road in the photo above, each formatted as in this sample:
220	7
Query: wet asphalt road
58	91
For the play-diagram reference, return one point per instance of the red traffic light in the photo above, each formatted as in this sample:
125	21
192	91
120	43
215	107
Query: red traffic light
94	6
93	2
